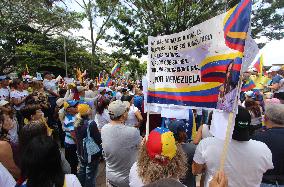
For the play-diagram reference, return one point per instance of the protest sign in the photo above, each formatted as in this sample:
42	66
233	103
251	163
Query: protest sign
199	67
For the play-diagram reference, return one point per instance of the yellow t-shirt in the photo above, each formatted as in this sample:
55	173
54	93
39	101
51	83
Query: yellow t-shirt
259	81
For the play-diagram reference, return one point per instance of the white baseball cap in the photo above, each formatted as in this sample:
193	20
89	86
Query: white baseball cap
274	68
118	107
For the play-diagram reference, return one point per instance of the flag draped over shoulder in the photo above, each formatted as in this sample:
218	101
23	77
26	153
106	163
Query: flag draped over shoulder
259	64
248	85
115	69
236	25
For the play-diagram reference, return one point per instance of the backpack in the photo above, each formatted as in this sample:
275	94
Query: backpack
89	145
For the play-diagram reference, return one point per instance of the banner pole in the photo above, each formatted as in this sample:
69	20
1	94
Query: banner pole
232	116
147	122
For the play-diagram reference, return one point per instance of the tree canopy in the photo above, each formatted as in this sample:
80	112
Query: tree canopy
32	32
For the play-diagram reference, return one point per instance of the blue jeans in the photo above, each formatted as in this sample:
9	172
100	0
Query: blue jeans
270	185
88	172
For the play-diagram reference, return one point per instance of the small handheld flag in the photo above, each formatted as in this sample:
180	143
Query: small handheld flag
259	64
115	69
248	86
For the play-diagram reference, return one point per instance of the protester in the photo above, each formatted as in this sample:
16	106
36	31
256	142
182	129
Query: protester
33	113
273	137
120	144
70	139
255	113
179	130
8	114
41	165
89	154
102	116
203	131
4	88
247	159
118	93
6	179
163	158
6	151
134	118
50	86
275	80
34	129
18	97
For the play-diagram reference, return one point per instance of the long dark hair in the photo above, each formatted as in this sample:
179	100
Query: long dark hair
30	131
101	105
41	163
229	84
253	106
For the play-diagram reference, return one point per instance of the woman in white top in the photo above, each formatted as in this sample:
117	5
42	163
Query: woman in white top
134	115
102	115
41	165
203	130
6	179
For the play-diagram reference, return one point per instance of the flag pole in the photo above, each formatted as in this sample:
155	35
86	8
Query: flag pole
147	122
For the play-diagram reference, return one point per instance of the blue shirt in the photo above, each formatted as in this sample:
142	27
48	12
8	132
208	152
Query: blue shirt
274	139
276	79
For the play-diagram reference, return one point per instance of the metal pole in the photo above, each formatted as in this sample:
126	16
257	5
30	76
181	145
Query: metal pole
65	58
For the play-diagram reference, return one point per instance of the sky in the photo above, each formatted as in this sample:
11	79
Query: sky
273	51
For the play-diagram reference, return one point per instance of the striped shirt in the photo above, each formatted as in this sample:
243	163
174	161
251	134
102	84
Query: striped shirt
68	128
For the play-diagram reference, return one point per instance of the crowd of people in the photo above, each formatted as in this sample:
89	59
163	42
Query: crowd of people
55	133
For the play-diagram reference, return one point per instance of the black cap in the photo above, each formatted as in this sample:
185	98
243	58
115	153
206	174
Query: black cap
242	125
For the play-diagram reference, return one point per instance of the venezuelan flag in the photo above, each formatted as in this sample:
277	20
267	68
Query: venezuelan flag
236	24
100	78
213	69
204	95
115	69
108	81
248	86
259	64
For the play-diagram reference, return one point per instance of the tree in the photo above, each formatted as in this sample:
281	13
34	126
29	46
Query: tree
94	9
22	20
138	19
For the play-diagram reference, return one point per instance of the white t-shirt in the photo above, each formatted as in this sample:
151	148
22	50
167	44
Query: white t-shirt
72	181
246	161
281	86
50	85
206	131
134	179
4	94
6	179
132	119
118	95
102	119
19	95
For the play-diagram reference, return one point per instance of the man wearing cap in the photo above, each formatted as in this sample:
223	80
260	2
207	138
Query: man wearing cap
275	80
4	88
273	137
246	160
70	139
120	144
